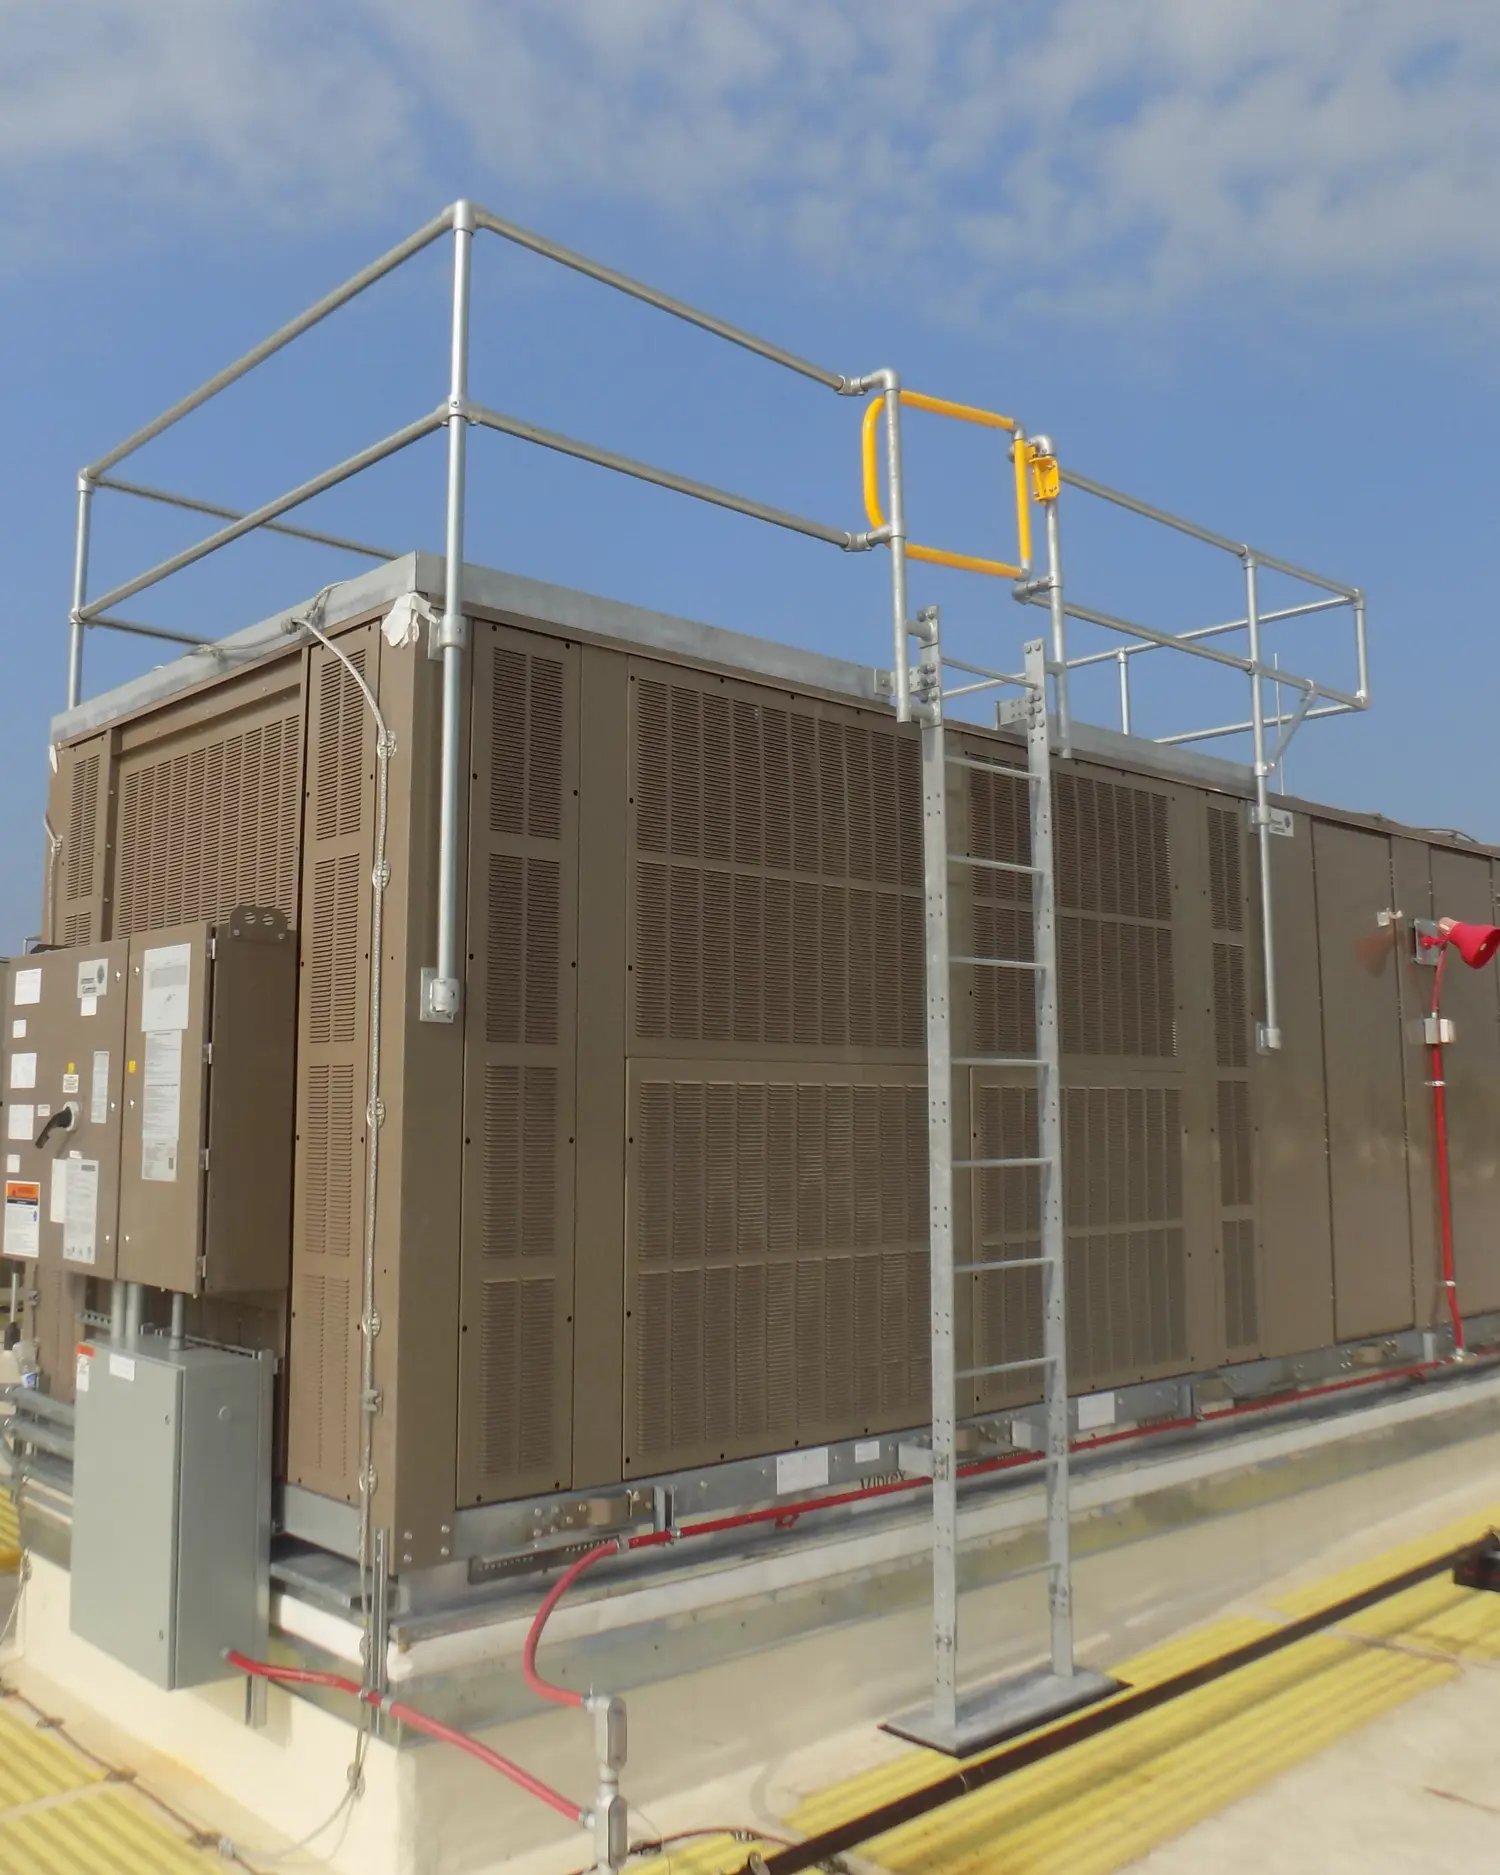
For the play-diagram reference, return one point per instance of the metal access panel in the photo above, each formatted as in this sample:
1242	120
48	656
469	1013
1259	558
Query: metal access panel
64	1046
171	1507
206	1138
1366	1106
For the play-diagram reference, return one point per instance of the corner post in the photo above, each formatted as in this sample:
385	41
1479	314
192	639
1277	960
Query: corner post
1268	1032
76	625
442	986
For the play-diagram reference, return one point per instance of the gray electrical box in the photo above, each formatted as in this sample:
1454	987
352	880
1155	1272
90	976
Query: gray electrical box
172	1507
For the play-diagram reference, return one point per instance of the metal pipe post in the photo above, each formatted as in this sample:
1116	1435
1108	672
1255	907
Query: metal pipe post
896	521
442	986
1059	627
935	864
1049	1150
1124	663
117	1311
135	1302
80	590
179	1320
1268	1033
1361	651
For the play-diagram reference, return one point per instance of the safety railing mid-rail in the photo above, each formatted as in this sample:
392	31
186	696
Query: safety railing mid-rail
1038	480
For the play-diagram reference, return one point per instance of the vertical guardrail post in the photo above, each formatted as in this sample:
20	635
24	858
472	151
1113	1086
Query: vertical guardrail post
442	987
1268	1032
76	625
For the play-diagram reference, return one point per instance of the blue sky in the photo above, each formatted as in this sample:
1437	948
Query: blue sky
1239	256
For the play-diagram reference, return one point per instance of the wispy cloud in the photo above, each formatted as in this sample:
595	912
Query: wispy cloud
1114	156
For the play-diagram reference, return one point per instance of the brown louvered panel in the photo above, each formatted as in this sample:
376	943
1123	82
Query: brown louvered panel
517	1402
776	1269
333	1024
775	896
211	820
1226	869
78	818
1117	983
1126	1251
1231	1011
1234	1123
1241	1288
516	1251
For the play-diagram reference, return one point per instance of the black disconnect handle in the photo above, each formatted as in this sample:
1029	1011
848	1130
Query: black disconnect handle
62	1121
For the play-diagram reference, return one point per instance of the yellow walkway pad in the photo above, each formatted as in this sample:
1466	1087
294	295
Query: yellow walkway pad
1101	1805
62	1814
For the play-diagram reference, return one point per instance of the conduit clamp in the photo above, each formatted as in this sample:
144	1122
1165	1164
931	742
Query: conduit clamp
1021	456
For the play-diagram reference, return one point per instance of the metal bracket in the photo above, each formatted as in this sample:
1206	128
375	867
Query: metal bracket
441	996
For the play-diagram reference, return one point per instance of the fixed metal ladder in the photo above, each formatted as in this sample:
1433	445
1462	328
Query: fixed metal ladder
956	1722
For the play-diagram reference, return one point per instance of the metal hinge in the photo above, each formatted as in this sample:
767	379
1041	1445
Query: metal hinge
203	1158
208	1054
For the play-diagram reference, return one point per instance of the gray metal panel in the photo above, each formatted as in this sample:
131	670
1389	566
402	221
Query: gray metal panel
1291	1121
1462	888
171	1517
1366	1109
125	1506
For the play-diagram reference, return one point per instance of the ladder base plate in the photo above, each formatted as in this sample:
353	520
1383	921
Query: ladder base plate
990	1714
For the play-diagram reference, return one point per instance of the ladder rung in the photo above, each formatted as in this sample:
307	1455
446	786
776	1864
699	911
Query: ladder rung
989	865
1003	1263
996	1061
1003	769
1003	1367
1001	963
994	1165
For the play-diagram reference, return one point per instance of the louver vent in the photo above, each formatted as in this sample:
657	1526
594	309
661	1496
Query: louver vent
211	825
777	879
1126	1250
333	1024
1232	1052
1116	981
515	1373
776	1264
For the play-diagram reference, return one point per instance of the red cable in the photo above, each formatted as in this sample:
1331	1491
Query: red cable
1440	1130
418	1721
544	1689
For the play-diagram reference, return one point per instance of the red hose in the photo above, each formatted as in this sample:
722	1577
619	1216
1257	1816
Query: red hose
544	1689
418	1721
1440	1132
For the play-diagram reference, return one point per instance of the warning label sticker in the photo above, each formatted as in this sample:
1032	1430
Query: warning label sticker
23	1217
161	1106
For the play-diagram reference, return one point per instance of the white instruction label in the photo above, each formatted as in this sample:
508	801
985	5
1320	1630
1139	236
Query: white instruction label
80	1226
27	987
18	1029
12	1163
57	1196
23	1218
800	1471
122	1367
23	1071
83	1368
99	1088
866	1451
93	977
161	1105
88	1005
1096	1410
20	1123
70	1083
165	975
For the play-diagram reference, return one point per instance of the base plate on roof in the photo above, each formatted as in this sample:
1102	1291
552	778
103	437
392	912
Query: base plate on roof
990	1714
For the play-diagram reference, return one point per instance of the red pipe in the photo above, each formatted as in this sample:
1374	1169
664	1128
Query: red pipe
544	1689
1440	1131
418	1721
